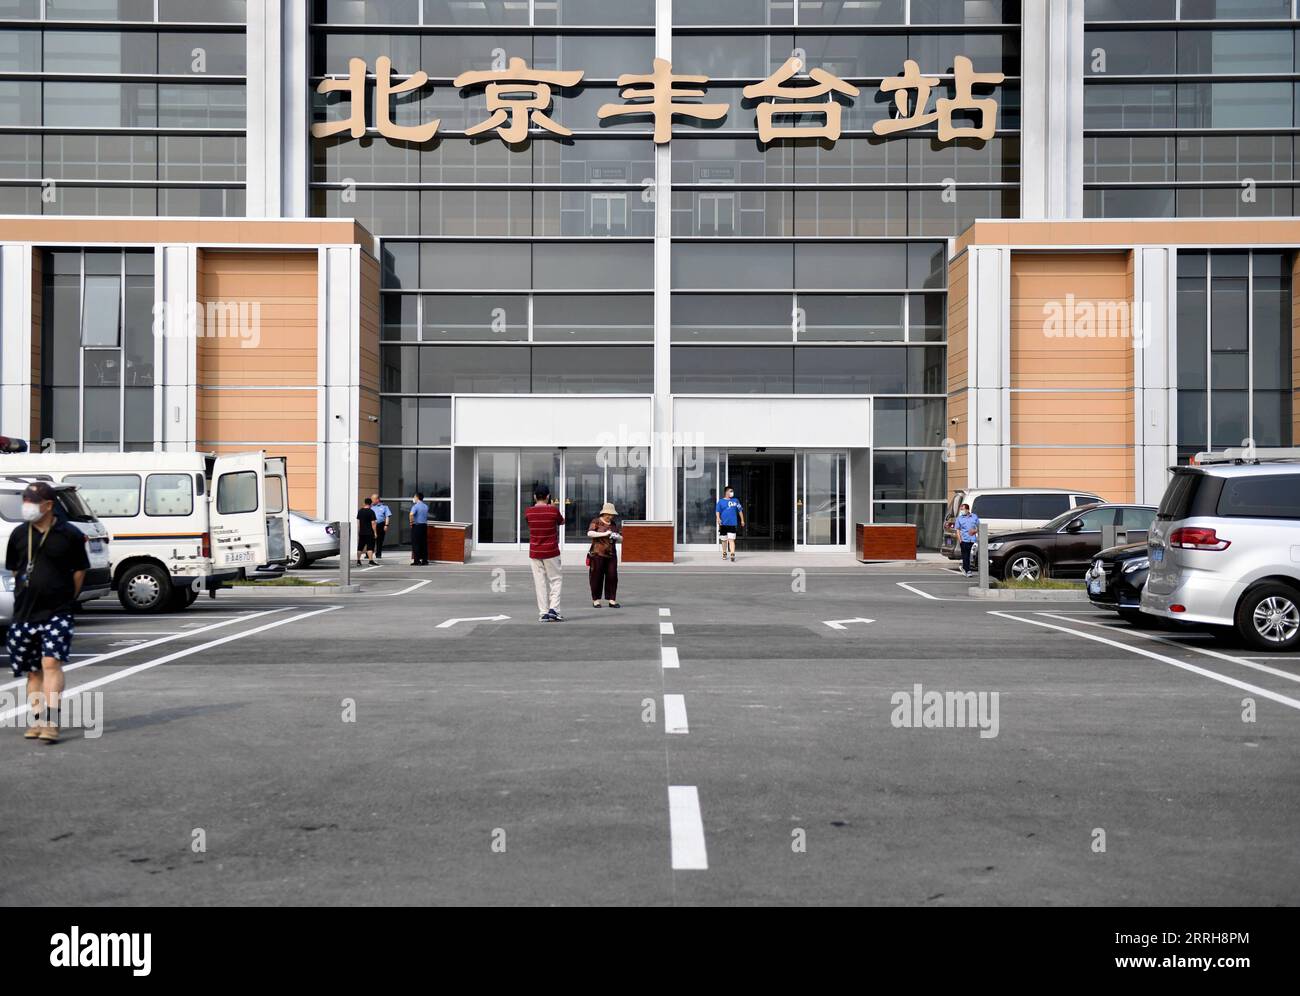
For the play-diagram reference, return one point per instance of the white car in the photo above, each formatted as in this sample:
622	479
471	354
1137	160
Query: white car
68	504
311	539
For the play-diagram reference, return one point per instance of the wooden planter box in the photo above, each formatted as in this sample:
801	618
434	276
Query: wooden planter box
449	542
892	542
647	542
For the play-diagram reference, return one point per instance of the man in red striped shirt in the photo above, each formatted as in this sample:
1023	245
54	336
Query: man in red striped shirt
544	522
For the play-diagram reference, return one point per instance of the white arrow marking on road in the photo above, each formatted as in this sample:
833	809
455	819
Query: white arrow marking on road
839	623
452	622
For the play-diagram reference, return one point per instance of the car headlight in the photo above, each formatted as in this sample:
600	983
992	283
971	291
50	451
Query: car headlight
995	546
1141	564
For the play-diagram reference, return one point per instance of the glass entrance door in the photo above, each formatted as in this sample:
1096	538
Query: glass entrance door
764	485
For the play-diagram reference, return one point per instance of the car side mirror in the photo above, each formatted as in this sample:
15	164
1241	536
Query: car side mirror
1074	525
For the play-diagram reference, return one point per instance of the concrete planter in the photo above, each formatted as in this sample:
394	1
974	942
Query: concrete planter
1031	594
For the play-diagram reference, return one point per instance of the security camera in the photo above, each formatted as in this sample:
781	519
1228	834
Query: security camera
953	421
372	418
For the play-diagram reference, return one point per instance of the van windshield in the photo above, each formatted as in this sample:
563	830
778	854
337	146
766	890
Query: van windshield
74	507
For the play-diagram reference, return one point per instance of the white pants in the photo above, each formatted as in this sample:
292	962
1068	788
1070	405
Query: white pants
546	582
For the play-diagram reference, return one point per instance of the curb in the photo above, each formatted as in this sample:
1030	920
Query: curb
1030	595
296	590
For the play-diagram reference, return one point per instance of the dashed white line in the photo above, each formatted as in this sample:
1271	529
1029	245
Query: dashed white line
1181	665
686	827
665	612
675	714
668	657
665	629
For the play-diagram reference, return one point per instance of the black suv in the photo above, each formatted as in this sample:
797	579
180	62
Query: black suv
1116	579
1065	547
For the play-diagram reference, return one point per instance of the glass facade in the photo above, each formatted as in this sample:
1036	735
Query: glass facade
97	350
1190	109
1234	350
123	107
799	265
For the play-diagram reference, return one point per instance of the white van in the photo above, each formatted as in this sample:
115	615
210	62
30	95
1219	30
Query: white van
1010	509
177	522
98	581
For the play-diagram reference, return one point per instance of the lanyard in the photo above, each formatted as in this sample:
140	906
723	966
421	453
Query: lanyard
31	554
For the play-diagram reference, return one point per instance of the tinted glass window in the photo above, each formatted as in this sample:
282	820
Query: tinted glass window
1045	507
108	494
1098	517
168	494
998	506
1178	497
1261	497
1136	518
237	493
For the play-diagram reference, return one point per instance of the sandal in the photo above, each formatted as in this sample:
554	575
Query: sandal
595	605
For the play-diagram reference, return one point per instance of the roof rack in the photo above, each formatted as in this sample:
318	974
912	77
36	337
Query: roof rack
1247	455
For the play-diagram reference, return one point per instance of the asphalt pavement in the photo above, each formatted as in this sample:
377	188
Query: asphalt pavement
714	741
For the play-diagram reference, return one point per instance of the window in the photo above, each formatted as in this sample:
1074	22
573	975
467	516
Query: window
274	495
1136	518
1045	507
237	493
1093	520
998	507
1272	497
101	314
168	494
109	495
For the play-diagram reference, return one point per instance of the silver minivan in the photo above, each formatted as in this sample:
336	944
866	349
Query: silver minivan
1008	510
1225	550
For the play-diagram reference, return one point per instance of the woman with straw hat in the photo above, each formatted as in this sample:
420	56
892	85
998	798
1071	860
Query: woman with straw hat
602	560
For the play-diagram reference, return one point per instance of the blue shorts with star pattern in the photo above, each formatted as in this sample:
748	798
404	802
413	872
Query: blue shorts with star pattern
28	642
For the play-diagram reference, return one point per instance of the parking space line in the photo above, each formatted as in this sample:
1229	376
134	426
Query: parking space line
665	612
665	629
126	672
675	714
95	659
1181	665
1243	661
926	594
668	657
686	827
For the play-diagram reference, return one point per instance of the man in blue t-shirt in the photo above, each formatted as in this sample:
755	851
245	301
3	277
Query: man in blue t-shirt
419	532
968	534
731	518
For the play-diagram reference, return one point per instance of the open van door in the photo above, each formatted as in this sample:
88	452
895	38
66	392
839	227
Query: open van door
237	514
277	509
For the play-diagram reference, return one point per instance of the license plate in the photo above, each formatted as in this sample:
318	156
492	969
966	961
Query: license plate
1158	555
240	557
1096	586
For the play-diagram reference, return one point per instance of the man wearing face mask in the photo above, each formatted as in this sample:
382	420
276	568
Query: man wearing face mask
47	556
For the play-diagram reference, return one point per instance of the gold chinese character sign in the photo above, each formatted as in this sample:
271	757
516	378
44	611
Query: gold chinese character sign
519	98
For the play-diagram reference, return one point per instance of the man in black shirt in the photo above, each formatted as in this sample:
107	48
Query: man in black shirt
47	556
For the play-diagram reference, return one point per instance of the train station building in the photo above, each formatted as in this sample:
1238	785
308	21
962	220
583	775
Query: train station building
843	255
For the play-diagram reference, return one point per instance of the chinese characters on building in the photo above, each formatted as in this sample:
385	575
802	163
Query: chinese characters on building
519	98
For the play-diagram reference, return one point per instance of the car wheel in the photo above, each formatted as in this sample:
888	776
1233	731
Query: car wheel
1138	619
1269	617
1023	566
144	589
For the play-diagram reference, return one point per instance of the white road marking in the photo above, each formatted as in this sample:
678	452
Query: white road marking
452	622
842	623
1244	662
669	657
665	629
96	658
365	570
675	714
126	672
924	594
665	612
1181	665
687	828
91	631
